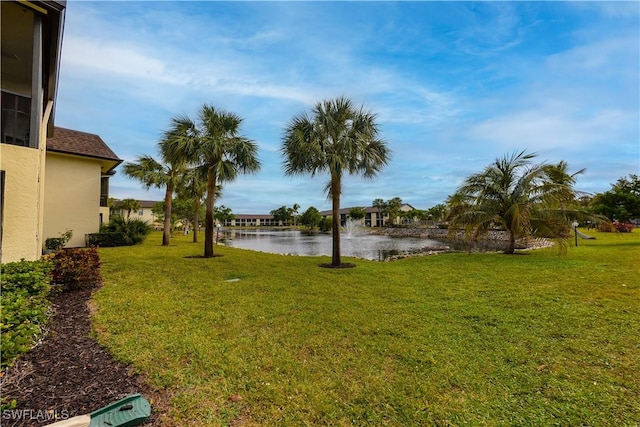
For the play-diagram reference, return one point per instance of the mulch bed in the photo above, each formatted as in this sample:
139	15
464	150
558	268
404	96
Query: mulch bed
68	373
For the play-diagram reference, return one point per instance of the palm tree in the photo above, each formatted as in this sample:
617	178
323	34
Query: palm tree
165	174
193	186
294	212
213	145
127	205
393	208
337	139
382	206
523	198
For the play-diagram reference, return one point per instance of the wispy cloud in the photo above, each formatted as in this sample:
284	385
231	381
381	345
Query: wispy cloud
118	60
491	27
544	130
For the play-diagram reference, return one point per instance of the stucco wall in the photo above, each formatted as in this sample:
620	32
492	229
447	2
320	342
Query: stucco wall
106	214
147	215
72	197
20	227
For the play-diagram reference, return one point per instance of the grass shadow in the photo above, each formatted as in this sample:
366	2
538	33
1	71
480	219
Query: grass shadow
204	257
343	265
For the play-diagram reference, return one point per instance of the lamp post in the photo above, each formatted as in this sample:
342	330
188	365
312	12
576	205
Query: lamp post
575	231
218	225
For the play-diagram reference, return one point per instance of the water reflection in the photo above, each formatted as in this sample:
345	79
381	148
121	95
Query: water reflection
295	242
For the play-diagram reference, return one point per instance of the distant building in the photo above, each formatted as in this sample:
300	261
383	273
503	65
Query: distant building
251	220
373	217
144	213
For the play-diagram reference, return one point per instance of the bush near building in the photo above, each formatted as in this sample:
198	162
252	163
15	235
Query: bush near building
76	267
120	232
25	289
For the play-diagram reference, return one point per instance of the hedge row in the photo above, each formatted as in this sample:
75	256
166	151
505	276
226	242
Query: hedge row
107	239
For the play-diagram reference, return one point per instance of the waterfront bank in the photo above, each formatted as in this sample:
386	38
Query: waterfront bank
441	234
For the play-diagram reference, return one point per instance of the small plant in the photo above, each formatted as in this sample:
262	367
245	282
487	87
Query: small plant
76	267
56	243
25	289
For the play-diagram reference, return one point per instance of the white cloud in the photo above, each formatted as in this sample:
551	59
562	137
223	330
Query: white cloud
120	59
547	129
606	57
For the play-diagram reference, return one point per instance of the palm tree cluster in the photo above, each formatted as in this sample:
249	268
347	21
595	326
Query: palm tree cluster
196	158
339	139
518	196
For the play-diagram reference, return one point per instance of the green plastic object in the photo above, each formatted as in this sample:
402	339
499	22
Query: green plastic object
130	411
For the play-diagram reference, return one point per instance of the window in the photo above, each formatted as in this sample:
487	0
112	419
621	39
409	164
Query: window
140	212
104	191
16	120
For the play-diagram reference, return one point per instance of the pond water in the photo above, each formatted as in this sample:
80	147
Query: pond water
353	244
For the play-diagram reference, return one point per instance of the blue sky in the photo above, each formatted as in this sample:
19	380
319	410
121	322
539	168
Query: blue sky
454	84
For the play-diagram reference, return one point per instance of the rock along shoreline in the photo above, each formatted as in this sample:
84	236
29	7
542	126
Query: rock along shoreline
493	237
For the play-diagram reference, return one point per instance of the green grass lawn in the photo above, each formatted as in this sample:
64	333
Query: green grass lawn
452	340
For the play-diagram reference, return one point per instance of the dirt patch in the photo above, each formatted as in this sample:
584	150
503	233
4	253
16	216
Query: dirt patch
68	373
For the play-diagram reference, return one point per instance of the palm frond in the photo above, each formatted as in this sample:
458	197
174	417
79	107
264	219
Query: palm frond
147	170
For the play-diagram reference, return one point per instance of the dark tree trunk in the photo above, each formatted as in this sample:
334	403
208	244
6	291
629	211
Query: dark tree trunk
511	245
196	219
335	198
166	232
209	223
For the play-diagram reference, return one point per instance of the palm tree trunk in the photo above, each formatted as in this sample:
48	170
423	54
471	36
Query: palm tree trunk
335	210
209	216
196	219
511	245
166	233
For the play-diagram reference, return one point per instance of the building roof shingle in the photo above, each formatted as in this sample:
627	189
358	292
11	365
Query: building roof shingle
84	144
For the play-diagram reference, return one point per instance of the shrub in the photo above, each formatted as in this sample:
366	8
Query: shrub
133	231
611	227
76	267
107	239
31	276
605	227
25	287
623	227
326	224
55	243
